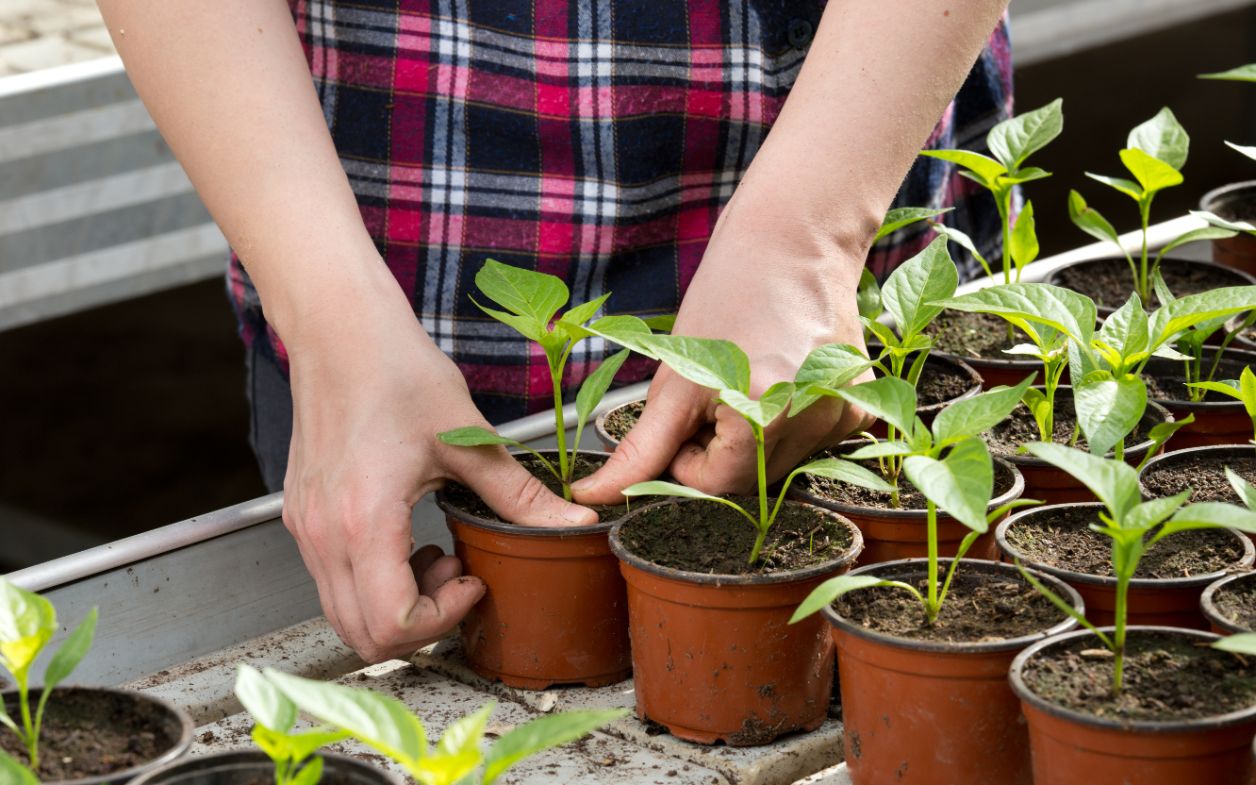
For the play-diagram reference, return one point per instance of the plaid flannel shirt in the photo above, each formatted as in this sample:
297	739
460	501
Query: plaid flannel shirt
595	140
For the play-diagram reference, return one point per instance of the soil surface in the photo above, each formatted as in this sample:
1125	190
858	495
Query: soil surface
1021	428
941	382
1236	602
980	606
467	500
714	539
1165	678
85	735
1165	379
620	421
972	335
1063	540
1109	282
854	496
1205	476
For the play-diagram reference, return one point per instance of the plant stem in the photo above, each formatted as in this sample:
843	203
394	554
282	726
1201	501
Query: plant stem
32	737
761	465
931	607
1143	283
560	431
1118	673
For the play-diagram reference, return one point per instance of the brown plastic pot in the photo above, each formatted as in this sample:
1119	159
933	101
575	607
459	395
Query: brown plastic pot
250	767
1218	622
1217	421
1233	201
890	535
933	713
99	706
609	442
556	610
1169	263
1070	748
1172	602
714	656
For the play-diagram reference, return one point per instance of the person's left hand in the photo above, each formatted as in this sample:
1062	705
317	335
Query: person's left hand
777	290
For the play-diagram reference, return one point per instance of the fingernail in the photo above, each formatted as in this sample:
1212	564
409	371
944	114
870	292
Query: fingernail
574	514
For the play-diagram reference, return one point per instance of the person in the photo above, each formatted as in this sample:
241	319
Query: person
622	146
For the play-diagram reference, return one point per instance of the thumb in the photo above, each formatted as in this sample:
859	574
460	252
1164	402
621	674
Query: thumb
518	496
667	421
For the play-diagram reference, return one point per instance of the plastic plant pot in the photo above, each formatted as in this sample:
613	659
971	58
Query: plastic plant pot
1236	201
1218	420
1174	269
252	767
1218	620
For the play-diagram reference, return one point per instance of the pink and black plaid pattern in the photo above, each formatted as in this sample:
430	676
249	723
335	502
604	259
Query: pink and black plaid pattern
595	140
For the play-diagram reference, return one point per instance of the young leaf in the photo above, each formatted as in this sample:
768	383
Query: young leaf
1245	490
536	296
1113	482
1151	173
1024	240
582	313
1128	329
1109	410
913	287
1223	223
844	471
1242	643
1061	309
763	411
663	488
71	652
1089	220
541	734
309	774
986	169
14	773
1153	512
1128	187
27	622
1196	235
263	700
663	323
1162	137
1161	433
906	216
880	450
1017	138
707	362
963	241
823	595
1209	515
960	484
868	295
887	398
832	365
473	436
1186	312
465	732
1244	73
972	416
596	384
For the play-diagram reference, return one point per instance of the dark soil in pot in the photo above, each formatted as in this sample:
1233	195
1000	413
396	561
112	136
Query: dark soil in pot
1021	428
1109	282
95	733
1233	603
1219	419
1200	469
619	421
586	463
254	768
710	538
971	335
909	498
941	382
1165	381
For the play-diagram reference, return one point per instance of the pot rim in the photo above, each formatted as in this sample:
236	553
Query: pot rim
1027	695
176	752
1209	606
1015	492
1237	273
959	647
1206	202
252	756
974	378
1187	452
1130	452
1248	357
719	579
599	422
502	527
1000	536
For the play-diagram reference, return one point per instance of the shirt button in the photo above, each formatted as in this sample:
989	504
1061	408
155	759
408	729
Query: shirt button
800	32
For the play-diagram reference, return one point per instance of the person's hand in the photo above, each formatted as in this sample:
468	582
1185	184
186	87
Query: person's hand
777	294
370	393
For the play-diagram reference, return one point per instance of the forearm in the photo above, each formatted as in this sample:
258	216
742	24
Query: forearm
229	88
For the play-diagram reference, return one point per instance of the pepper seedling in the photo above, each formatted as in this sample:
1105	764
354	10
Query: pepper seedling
1154	155
868	293
1133	526
1011	142
1191	345
723	367
274	717
531	301
27	623
1241	389
947	462
386	725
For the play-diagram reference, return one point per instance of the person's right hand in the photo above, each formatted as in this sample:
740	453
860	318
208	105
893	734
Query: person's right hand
370	393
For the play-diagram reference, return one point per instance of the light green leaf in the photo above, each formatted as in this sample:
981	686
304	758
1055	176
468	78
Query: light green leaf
899	217
1242	643
960	484
263	700
466	732
1128	187
972	416
1153	512
868	295
1201	234
473	436
303	745
663	488
763	411
880	450
823	595
1024	240
832	365
446	769
629	332
963	241
27	622
707	362
584	312
542	734
1026	175
1061	309
663	323
913	287
1245	490
1089	220
1186	312
1162	137
1151	173
1017	138
14	773
309	774
1244	73
1210	515
986	169
537	296
1127	330
1161	433
72	650
1223	223
887	398
597	383
882	333
273	743
1115	483
524	325
1109	410
845	471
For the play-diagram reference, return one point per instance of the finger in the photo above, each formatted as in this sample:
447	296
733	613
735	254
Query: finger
513	492
670	417
452	600
423	558
728	462
795	440
441	571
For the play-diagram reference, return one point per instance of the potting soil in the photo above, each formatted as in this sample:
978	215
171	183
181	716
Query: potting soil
1204	475
468	501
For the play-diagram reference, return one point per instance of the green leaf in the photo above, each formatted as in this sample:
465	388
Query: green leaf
629	332
273	743
868	295
1242	643
1017	138
963	241
303	745
465	732
1196	235
263	700
845	471
473	436
1210	515
899	217
1161	433
960	484
763	411
986	169
663	488
707	362
1026	175
1244	73
584	312
826	593
309	774
14	773
72	650
887	398
1223	223
1089	220
1061	309
1153	512
597	383
1128	187
541	734
880	450
378	721
1245	490
1127	330
1109	410
1163	138
663	323
913	287
882	333
972	416
1186	312
829	366
1114	482
537	296
1024	240
1151	173
27	622
524	325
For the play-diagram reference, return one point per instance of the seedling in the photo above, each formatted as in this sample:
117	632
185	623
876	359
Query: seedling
14	773
531	301
868	296
725	368
274	717
948	463
909	294
386	725
1244	73
1154	154
1134	526
1011	142
1191	345
27	624
1242	389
